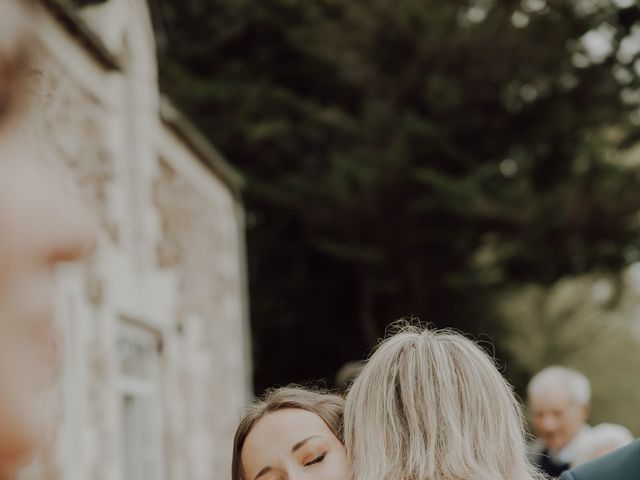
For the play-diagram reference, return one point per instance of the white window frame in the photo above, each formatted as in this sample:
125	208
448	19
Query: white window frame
147	391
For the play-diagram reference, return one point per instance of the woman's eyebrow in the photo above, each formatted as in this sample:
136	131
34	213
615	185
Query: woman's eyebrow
301	443
262	472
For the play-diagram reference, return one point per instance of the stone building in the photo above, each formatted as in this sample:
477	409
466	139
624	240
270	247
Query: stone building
155	322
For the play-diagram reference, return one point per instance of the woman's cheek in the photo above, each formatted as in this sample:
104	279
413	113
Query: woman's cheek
338	467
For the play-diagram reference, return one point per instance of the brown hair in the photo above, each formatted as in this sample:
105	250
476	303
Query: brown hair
328	407
15	55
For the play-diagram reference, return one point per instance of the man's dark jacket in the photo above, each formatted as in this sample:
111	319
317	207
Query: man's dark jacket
548	466
622	464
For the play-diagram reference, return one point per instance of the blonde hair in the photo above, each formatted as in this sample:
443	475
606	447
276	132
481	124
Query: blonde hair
328	407
431	405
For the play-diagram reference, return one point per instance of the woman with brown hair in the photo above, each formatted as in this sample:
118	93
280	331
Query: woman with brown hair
291	433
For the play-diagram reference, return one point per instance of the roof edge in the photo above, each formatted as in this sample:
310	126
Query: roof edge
77	27
204	149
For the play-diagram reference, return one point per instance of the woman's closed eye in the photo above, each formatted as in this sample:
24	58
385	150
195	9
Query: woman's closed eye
318	459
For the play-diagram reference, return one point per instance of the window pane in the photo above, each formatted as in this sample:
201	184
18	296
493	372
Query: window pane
141	404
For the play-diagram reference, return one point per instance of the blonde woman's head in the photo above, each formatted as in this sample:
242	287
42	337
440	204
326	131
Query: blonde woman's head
431	405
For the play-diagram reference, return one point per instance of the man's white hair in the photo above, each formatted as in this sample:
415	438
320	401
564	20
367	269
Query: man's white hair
562	377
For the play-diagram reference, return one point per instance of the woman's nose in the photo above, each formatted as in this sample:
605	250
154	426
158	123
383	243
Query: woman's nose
71	226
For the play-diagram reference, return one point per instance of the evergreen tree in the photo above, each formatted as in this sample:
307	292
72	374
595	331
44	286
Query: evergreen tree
411	157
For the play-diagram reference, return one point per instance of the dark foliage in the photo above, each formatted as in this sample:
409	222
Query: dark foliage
412	157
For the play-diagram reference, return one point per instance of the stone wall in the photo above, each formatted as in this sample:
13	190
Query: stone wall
154	322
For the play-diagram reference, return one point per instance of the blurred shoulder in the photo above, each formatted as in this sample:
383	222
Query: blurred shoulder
623	464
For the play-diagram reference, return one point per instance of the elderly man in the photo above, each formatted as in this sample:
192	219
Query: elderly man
41	225
559	400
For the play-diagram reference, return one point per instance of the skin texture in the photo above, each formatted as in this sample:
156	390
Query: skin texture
268	455
42	224
556	417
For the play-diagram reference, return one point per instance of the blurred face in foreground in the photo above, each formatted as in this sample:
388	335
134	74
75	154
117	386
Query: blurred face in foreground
557	418
293	444
41	225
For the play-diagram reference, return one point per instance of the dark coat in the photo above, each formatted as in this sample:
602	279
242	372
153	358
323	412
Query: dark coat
550	468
